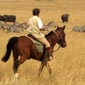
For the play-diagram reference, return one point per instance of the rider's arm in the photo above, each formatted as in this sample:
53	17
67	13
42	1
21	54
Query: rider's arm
40	25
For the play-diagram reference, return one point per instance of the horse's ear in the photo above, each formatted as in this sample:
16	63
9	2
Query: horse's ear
57	27
63	27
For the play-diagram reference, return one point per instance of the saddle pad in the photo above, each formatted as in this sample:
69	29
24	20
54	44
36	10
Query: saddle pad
38	44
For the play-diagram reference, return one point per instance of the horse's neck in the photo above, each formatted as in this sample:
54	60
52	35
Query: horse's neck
52	40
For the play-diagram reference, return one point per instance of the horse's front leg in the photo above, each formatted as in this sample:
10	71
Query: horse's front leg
41	68
43	63
48	68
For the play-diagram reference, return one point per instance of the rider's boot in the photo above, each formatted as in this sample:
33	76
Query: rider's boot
49	53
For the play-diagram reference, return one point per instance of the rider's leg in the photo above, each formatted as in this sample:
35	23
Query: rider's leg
48	47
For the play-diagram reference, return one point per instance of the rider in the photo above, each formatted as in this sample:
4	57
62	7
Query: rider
35	28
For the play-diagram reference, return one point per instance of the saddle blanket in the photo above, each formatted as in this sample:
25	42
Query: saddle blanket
38	44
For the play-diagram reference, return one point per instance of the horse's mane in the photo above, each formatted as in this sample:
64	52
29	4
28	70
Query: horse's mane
49	34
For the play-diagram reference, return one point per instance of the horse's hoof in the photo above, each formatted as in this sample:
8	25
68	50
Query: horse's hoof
50	58
16	77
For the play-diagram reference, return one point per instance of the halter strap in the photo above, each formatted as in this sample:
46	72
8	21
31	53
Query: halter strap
56	33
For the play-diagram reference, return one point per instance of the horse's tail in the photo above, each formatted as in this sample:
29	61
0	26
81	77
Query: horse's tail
9	47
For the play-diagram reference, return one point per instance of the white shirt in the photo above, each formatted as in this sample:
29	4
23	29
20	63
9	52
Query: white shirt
35	24
40	24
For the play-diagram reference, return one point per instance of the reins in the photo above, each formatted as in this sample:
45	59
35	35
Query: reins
57	49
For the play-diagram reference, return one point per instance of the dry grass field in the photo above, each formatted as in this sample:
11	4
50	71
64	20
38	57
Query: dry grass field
68	65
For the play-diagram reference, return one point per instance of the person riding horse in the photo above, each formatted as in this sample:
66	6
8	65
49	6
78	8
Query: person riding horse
23	49
35	28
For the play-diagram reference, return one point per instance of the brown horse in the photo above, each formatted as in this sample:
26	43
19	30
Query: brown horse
23	48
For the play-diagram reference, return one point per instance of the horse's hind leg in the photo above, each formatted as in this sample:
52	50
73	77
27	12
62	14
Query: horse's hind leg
15	69
15	64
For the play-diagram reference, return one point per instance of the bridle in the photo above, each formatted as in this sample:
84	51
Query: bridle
57	36
56	33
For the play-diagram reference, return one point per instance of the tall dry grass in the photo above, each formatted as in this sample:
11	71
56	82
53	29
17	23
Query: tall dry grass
68	65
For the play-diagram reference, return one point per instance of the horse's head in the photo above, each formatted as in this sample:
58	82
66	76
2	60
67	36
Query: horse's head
59	32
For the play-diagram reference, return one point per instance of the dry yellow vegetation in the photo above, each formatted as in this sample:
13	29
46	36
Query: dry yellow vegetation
68	65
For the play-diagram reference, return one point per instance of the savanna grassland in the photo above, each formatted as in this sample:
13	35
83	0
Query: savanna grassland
68	65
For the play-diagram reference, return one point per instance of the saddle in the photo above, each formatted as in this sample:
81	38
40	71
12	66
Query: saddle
38	44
